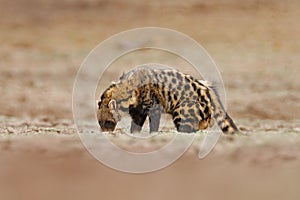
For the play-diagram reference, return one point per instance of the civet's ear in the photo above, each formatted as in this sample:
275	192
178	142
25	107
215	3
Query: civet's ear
99	103
113	83
112	104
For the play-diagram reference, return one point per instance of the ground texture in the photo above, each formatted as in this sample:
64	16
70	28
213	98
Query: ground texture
255	45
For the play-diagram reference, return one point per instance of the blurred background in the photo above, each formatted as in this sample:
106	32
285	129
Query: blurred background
255	44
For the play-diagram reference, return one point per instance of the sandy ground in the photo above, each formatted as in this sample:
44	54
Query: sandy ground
255	45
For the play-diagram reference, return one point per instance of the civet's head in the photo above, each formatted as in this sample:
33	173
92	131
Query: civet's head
119	95
108	114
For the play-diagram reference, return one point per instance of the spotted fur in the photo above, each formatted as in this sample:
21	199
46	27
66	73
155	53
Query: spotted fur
146	92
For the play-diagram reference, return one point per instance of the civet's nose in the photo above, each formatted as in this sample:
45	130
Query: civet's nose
109	125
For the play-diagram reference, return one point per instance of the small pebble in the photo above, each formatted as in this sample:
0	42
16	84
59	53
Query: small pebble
11	130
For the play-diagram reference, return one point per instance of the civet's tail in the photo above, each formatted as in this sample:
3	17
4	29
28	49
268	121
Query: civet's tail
221	116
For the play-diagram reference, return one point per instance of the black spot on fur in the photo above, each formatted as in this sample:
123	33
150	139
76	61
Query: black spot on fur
199	92
201	114
185	128
175	114
160	76
182	95
212	102
177	121
189	120
200	83
203	100
172	106
186	116
169	96
191	111
155	76
182	111
175	96
170	73
190	104
186	87
220	123
174	80
165	79
194	86
225	128
179	76
217	115
163	92
206	109
187	79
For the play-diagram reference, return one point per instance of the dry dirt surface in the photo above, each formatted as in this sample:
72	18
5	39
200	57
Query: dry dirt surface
255	45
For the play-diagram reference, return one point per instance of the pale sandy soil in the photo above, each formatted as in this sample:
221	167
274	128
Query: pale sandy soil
255	45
